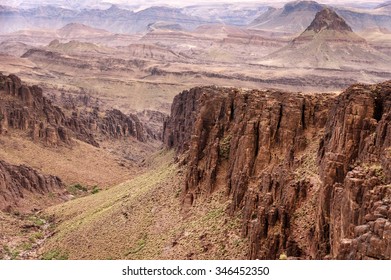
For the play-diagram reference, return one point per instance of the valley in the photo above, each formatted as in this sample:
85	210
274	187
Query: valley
209	131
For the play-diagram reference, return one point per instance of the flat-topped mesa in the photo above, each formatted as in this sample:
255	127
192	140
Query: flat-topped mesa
310	174
327	19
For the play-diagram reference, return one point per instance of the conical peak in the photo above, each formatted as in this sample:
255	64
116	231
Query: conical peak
327	19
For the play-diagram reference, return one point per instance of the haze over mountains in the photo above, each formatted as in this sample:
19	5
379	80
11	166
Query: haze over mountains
130	20
218	130
329	42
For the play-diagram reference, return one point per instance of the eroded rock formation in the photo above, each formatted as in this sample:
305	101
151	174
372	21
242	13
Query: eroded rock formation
22	187
308	173
25	108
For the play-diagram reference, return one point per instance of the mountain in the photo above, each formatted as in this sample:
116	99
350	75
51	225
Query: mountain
113	19
384	7
360	20
295	16
76	30
228	13
328	42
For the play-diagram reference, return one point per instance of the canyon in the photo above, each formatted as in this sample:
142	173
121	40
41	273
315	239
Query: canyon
211	131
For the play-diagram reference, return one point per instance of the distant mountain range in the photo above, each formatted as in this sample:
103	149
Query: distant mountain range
114	19
296	16
293	17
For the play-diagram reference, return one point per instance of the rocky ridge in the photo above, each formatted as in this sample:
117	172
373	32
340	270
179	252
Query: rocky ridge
19	184
25	108
308	173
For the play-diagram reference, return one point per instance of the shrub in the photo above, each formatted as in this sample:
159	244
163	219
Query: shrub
225	147
95	190
74	189
54	255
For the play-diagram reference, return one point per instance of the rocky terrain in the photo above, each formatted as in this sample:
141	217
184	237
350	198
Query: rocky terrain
25	108
277	145
309	173
29	189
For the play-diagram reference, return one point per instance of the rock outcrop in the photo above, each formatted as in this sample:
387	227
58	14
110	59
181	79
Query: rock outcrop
308	173
25	108
22	187
355	161
327	19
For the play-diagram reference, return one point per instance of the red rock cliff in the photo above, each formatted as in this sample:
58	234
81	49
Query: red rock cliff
25	108
307	172
23	188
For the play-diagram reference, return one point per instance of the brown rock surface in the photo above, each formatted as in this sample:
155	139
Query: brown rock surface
304	170
23	188
25	108
328	19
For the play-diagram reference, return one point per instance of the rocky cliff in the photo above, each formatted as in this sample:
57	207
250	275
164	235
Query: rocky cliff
25	108
308	173
23	188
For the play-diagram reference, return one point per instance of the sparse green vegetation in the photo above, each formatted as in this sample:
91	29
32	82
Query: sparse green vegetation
139	245
35	236
12	253
225	147
36	221
214	214
54	255
377	170
76	188
1	117
178	192
95	190
26	246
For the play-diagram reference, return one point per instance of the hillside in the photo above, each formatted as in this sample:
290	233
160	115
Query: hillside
328	42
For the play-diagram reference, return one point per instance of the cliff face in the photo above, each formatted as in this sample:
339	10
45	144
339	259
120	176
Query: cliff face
307	172
25	108
22	186
355	161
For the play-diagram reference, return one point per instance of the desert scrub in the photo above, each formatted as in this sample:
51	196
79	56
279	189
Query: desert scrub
74	189
376	170
95	190
214	214
139	245
13	254
36	236
54	255
225	147
36	221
